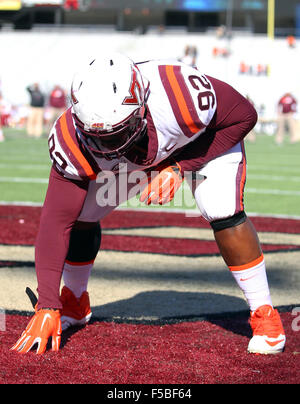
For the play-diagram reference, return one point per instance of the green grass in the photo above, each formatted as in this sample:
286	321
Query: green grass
23	159
273	179
272	188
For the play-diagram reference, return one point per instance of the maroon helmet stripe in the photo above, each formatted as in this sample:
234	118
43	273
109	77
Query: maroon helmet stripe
180	100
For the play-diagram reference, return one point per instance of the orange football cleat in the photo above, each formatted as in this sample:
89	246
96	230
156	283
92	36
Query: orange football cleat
268	333
75	312
43	325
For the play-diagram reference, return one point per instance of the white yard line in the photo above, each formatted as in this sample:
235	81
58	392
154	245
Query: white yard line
272	192
25	166
25	180
21	203
261	191
188	212
269	168
273	177
249	190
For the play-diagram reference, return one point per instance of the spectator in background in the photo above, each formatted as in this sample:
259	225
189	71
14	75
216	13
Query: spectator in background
71	5
19	116
6	110
1	130
291	41
190	56
57	103
221	32
287	107
35	120
195	55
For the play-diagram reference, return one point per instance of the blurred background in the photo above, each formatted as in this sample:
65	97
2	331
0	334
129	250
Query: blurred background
45	41
253	45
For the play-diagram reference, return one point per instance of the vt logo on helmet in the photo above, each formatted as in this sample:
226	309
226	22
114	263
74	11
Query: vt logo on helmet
108	101
136	92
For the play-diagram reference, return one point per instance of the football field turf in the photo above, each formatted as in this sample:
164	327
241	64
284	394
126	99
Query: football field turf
272	188
165	307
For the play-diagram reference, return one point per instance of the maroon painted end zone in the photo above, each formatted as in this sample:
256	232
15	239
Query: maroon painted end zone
192	353
206	352
19	226
173	246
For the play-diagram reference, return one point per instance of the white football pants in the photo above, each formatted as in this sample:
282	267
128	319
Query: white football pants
218	197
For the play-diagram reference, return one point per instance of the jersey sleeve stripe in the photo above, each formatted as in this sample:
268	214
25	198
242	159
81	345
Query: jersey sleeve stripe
180	100
74	149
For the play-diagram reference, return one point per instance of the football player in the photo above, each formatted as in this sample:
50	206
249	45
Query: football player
156	116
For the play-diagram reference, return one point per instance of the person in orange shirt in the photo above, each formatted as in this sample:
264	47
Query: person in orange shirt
291	40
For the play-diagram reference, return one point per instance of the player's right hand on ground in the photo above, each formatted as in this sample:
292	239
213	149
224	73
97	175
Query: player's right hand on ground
44	324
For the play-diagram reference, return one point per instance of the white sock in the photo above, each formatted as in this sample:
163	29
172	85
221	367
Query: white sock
252	280
76	276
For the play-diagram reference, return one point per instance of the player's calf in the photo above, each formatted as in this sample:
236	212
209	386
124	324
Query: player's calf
241	250
84	245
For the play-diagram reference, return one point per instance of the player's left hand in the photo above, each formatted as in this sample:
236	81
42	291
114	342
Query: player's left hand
162	188
44	324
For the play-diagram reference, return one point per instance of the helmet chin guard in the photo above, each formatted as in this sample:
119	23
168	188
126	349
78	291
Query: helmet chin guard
108	102
114	145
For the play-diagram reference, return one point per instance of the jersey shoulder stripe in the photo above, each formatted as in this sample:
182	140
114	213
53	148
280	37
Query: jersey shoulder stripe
180	99
67	137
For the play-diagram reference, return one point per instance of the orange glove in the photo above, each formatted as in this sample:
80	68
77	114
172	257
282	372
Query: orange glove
161	189
43	325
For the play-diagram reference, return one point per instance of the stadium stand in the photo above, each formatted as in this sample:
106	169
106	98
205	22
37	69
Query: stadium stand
51	54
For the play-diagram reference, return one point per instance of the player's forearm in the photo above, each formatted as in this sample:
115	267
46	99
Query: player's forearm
201	151
216	140
61	209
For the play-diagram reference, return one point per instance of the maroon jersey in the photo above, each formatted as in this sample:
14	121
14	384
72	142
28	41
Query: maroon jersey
186	111
287	104
57	98
191	117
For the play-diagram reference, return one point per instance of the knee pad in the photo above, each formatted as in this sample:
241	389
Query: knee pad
231	221
84	244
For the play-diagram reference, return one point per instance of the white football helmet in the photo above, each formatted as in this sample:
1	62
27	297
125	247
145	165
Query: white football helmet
108	100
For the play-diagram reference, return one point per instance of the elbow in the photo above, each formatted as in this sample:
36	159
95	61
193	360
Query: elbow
252	117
